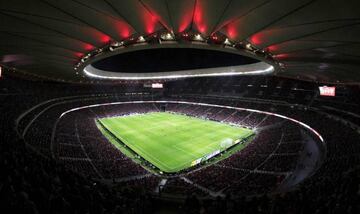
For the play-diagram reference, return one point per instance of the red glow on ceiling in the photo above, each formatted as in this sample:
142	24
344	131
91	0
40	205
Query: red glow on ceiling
78	54
100	37
231	31
264	37
183	26
159	19
201	28
105	38
185	20
199	18
281	56
125	33
123	29
256	39
150	29
149	21
197	14
89	47
272	48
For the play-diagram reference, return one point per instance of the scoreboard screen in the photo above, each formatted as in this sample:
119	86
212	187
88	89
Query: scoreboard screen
157	85
327	91
153	85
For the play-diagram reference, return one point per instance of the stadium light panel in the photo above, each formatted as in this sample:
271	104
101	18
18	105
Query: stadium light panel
198	37
248	46
167	36
141	39
227	42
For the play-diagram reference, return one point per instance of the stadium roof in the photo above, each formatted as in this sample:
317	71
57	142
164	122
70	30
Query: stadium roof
312	39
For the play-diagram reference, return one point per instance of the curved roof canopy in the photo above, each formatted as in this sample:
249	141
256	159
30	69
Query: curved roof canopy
315	40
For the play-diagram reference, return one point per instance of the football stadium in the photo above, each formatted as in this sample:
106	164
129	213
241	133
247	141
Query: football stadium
172	142
179	106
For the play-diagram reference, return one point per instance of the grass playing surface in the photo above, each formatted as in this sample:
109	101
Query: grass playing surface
169	141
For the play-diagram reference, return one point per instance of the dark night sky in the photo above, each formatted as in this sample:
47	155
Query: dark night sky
170	59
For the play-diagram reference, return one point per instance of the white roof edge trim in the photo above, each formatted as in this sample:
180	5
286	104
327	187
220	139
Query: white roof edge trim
260	68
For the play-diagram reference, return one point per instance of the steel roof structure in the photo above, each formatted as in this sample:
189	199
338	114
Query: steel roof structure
317	40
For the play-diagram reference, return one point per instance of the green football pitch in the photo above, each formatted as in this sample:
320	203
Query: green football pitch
172	142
